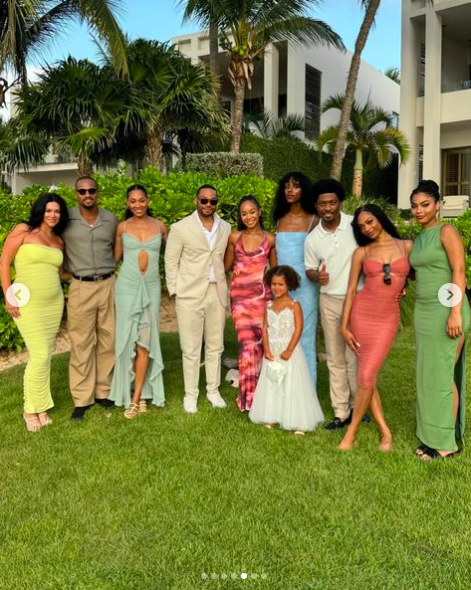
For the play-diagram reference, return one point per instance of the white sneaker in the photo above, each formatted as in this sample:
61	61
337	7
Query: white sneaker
216	400
189	404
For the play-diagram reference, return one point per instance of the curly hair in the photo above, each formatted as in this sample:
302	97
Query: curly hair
328	185
293	280
281	205
38	209
382	218
251	199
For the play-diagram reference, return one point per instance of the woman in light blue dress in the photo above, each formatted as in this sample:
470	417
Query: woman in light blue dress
295	216
137	297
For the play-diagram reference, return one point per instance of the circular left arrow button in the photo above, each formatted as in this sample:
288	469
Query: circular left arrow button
18	294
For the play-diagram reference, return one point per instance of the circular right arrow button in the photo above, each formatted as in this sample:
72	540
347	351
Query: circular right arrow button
450	295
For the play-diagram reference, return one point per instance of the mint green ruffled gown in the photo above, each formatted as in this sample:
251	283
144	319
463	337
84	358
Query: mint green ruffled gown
435	351
137	298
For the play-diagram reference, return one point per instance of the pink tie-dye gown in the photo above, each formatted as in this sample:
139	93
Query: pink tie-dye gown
248	299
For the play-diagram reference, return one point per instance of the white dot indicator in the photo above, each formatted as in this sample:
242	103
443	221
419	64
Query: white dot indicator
233	576
254	576
223	576
243	576
214	576
204	576
264	576
18	294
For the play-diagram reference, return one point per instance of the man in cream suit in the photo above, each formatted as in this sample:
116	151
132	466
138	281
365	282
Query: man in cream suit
194	268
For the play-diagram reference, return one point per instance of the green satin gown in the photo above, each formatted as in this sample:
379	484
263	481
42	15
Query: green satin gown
436	352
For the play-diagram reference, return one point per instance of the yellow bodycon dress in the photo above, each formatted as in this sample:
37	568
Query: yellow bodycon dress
37	267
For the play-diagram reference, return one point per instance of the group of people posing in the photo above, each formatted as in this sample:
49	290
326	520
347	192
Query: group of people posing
353	269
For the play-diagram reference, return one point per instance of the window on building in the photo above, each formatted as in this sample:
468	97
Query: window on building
421	163
457	172
395	120
422	70
313	102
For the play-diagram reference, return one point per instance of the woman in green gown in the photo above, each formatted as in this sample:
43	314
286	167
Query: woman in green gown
137	296
437	258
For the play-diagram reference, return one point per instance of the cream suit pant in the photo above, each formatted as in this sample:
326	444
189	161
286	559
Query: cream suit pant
341	361
195	321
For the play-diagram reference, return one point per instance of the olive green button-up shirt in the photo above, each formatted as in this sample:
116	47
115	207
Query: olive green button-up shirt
89	249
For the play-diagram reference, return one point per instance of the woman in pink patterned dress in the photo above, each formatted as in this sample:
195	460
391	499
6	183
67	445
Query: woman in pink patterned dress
249	250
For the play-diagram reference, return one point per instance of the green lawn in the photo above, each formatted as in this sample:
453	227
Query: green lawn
112	504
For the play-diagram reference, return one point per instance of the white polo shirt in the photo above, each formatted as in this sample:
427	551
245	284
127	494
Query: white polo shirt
335	250
210	239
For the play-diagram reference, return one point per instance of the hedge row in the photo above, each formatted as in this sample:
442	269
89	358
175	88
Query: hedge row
172	197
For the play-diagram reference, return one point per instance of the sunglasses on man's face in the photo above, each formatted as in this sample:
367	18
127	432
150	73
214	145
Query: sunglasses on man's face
83	191
387	273
212	202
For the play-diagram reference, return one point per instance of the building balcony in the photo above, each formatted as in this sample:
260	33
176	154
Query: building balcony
455	107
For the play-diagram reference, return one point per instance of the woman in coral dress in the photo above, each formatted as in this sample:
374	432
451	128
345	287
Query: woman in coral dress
249	251
370	318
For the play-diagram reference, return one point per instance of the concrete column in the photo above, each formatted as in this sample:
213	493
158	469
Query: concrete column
433	95
410	60
296	85
271	80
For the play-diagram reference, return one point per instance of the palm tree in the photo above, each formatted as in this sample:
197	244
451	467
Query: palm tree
394	74
248	27
370	132
28	26
371	8
264	125
98	117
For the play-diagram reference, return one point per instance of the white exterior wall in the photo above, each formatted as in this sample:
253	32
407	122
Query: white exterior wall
442	118
333	64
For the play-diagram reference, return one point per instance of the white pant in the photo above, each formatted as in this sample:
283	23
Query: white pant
206	319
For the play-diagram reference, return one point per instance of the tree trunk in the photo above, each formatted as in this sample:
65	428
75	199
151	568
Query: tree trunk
357	184
213	55
85	166
238	114
153	150
370	13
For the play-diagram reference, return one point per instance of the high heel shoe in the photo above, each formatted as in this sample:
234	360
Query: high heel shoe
44	419
33	423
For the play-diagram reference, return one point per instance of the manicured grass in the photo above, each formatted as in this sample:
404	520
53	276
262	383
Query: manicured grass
112	504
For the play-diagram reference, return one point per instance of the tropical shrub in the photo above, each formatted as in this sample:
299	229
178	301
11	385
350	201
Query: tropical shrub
225	163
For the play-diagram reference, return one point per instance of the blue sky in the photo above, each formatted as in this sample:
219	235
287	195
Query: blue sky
161	20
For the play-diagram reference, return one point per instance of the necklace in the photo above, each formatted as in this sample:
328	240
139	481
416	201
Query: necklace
297	214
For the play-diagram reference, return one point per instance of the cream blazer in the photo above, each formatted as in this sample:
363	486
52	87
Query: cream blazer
188	260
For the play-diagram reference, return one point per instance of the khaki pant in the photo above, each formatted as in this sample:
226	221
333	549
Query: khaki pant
195	321
90	322
341	361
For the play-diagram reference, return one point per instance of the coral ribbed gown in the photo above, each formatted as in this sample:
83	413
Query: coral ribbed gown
37	267
248	299
374	319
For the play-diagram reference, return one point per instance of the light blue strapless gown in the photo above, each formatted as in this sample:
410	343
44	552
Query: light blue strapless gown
290	252
137	298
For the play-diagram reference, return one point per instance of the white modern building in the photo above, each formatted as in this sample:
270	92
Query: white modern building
435	109
297	79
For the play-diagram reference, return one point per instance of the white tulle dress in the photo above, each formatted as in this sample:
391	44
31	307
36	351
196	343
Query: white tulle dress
285	392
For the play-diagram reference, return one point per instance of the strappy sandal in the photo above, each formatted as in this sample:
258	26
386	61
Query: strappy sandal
44	419
29	423
431	454
132	411
419	451
142	406
298	433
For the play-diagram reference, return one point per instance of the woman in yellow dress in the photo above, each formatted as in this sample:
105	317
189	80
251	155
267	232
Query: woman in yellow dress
36	249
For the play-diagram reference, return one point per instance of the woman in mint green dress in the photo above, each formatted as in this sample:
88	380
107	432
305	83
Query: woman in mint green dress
137	297
437	258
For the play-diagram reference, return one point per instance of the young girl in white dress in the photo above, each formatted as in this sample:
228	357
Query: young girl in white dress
285	393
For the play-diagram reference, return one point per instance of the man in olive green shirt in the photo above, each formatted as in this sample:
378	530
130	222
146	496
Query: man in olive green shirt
89	250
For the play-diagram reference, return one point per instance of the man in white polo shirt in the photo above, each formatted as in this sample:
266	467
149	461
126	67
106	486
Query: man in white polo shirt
328	255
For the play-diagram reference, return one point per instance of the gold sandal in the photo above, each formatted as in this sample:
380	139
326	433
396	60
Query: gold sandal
132	411
44	419
29	423
142	406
